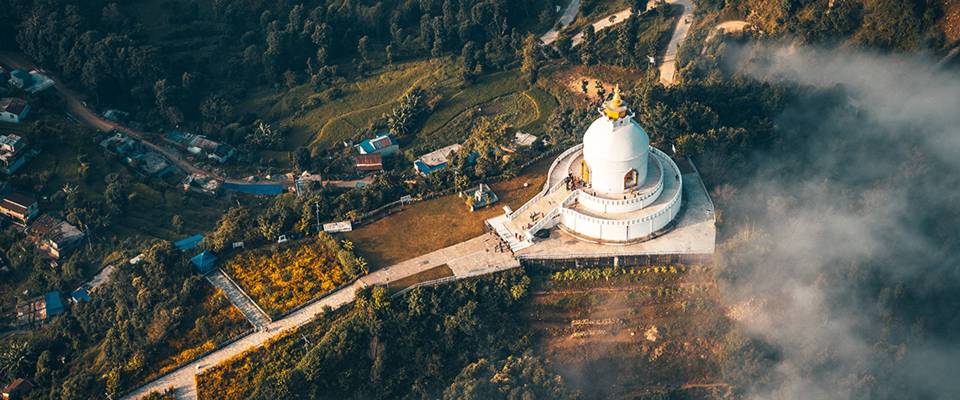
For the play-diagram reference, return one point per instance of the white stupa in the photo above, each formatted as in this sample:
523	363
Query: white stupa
613	189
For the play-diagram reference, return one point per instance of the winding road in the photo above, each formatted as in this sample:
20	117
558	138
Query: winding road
668	65
83	114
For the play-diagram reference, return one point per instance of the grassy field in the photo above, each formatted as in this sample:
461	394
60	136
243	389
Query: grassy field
365	101
437	223
280	278
432	274
653	332
360	103
440	130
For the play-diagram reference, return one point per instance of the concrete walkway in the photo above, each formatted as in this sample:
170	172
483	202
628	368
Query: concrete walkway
250	310
477	256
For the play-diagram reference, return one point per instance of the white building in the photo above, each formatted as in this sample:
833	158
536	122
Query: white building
613	189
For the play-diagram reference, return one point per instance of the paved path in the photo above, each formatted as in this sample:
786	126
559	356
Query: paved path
605	23
565	19
250	310
473	257
668	66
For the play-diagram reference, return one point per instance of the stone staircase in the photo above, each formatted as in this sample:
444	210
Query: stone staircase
250	310
498	225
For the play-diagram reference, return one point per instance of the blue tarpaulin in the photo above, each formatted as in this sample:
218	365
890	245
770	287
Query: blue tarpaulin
188	243
263	189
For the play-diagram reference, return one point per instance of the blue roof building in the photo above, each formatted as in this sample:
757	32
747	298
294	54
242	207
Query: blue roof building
383	145
188	243
204	262
53	304
20	78
259	189
80	295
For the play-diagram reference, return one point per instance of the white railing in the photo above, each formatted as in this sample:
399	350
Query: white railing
547	189
655	193
669	208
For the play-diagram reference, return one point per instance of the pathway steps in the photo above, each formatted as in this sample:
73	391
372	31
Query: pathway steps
251	311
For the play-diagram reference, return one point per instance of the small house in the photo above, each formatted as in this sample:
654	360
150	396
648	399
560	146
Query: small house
368	162
221	153
53	236
81	295
153	163
19	207
13	110
204	262
435	160
13	153
115	115
20	79
383	145
16	389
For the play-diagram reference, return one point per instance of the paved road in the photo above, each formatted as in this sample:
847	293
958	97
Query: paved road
474	257
605	23
668	66
565	19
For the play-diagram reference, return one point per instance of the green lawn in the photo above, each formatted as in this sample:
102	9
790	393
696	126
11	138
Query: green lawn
437	223
361	102
439	129
364	101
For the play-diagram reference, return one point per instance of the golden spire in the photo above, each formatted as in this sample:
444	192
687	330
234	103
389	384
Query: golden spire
616	101
615	109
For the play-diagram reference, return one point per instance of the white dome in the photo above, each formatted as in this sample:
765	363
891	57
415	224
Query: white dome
612	149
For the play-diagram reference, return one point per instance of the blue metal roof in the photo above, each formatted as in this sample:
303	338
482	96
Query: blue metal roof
19	73
189	242
263	189
427	169
204	261
53	303
80	295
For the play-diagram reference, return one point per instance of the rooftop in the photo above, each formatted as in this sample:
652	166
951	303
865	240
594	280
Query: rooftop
439	156
13	105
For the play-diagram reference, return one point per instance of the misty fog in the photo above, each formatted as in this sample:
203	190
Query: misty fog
842	242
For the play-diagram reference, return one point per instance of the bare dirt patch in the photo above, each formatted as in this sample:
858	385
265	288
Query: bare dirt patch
632	335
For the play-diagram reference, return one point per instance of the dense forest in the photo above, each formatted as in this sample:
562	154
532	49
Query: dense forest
441	342
193	67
